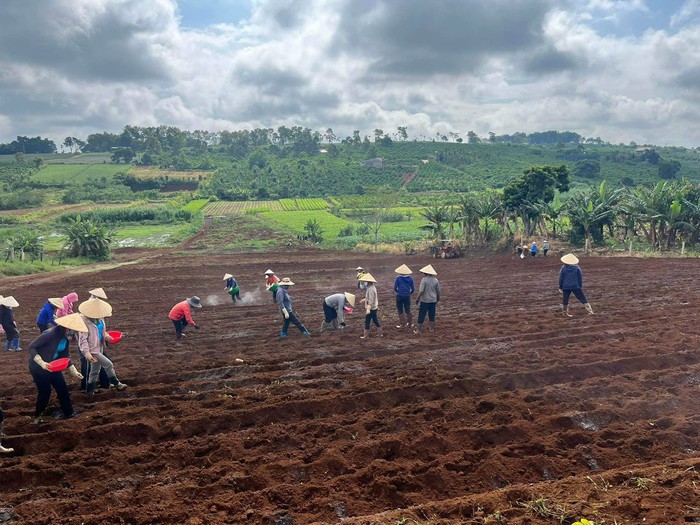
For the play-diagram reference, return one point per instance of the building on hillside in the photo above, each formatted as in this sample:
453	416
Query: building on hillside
374	163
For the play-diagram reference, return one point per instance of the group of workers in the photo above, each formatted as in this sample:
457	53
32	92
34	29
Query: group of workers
533	250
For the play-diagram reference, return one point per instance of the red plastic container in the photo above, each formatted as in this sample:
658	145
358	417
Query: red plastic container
116	337
59	364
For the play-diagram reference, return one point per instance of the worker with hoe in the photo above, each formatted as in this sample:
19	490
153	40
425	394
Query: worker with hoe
46	318
271	284
571	281
181	315
51	345
9	326
334	308
284	301
428	297
92	344
403	288
371	301
232	287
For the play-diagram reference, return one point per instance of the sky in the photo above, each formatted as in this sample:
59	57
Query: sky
622	70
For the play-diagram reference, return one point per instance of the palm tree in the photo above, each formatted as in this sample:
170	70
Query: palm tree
592	208
438	217
87	239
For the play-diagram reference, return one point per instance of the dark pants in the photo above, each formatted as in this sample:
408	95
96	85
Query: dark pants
578	293
44	381
235	295
534	254
179	325
426	308
403	304
292	319
104	379
544	252
329	313
43	327
371	317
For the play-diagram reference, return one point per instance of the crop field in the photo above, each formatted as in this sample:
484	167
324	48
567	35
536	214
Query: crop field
508	413
236	208
155	173
304	204
66	173
196	205
295	221
83	158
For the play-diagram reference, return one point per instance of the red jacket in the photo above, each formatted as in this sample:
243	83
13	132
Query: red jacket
182	311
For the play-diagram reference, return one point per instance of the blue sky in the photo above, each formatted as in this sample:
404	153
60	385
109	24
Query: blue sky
203	13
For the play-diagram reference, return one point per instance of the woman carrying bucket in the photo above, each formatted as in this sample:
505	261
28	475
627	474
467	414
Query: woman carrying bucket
371	301
571	281
47	316
96	293
232	287
403	288
334	309
428	297
92	344
51	345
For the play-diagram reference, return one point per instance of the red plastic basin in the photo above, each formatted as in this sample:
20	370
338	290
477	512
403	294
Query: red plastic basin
59	364
116	337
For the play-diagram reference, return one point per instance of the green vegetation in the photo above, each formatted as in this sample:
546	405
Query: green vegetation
87	239
61	174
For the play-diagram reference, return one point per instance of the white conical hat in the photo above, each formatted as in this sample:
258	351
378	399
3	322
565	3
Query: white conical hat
9	301
99	293
569	258
56	301
269	272
95	309
428	269
227	276
72	322
359	269
403	270
367	278
350	298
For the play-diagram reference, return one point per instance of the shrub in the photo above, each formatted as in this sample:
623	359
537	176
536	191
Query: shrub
87	239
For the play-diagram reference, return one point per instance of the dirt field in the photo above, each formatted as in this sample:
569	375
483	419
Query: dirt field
509	413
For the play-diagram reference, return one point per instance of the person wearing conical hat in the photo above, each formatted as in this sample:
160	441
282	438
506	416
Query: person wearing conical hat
68	302
47	316
95	293
91	344
98	293
334	309
232	287
181	315
271	283
7	321
361	285
3	450
371	302
428	297
54	344
571	281
403	288
545	248
533	249
285	304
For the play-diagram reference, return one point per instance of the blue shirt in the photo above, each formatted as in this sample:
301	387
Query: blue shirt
46	316
570	277
403	285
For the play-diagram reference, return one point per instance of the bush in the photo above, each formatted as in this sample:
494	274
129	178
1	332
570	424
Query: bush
21	199
159	215
87	239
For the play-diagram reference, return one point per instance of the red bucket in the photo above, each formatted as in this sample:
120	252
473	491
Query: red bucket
116	337
59	364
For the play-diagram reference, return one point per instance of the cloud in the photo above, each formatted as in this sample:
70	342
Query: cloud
689	12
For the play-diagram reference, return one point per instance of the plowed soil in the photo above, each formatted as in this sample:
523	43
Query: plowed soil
508	413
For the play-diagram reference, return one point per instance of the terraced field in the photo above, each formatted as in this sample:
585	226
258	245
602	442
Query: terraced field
508	413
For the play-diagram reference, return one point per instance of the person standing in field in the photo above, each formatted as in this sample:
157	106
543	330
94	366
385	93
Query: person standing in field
9	326
360	272
271	284
533	250
232	288
47	316
545	248
571	281
95	293
428	297
68	302
403	288
371	302
334	309
285	305
181	315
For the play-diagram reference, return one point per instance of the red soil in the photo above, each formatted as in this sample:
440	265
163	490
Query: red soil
507	403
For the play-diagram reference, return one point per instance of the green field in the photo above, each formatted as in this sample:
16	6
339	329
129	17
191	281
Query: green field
303	204
60	174
295	221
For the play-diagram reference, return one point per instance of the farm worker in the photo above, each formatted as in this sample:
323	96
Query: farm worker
271	281
334	309
181	315
403	288
533	249
571	281
91	344
46	318
68	301
545	248
360	272
428	297
9	326
3	450
232	287
50	345
282	298
98	293
519	250
371	306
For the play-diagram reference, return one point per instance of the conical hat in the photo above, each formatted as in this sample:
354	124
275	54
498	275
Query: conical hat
428	269
99	293
269	272
227	276
286	282
403	270
359	269
72	322
569	258
9	301
367	278
56	301
95	309
350	298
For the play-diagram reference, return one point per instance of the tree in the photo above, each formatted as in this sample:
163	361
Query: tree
439	217
73	144
589	209
651	156
330	136
314	231
402	133
473	138
126	154
668	169
378	134
374	219
588	169
87	239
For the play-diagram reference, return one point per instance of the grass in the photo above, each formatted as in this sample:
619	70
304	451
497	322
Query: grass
195	205
156	173
237	208
49	264
151	236
296	220
61	174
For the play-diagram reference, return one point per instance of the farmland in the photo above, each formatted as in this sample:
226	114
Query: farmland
303	204
295	221
61	174
143	172
235	208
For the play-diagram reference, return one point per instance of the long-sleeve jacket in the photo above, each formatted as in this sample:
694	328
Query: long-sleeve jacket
46	316
270	280
91	342
182	311
570	277
67	301
50	345
403	286
7	320
371	298
337	301
282	298
429	290
231	283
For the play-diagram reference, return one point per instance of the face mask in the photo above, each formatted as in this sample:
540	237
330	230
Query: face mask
70	333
